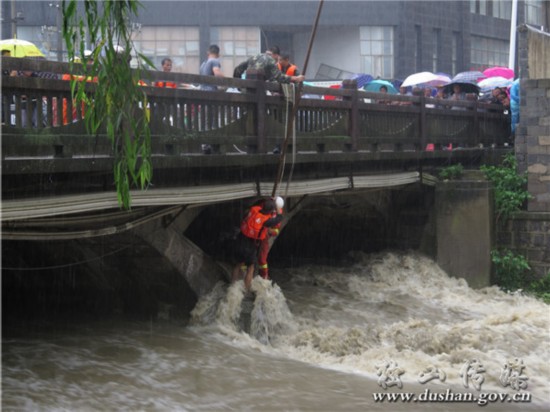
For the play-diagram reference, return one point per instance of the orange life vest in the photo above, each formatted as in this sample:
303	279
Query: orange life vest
252	225
170	85
291	71
79	78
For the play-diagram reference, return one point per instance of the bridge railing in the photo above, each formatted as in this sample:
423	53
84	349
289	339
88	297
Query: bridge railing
240	116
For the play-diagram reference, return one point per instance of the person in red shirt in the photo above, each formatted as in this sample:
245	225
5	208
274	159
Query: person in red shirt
263	250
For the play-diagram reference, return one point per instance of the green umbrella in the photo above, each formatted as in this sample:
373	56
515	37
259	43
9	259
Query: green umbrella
375	85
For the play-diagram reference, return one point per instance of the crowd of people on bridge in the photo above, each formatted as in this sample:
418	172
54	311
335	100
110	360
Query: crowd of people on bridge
276	66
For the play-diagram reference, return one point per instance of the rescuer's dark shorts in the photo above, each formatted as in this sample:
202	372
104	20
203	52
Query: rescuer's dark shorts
246	250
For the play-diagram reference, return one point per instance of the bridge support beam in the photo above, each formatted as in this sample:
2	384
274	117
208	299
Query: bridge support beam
166	236
464	228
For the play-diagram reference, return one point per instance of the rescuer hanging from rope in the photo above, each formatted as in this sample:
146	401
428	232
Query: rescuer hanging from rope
253	231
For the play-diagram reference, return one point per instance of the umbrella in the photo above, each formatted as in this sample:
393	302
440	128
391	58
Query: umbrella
426	79
375	85
491	82
362	79
499	72
465	86
20	48
468	77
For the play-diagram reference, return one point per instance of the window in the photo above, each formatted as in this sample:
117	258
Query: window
502	9
534	12
488	52
377	51
436	49
236	45
482	7
181	44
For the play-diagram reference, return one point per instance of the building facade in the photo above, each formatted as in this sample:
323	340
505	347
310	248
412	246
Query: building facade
385	39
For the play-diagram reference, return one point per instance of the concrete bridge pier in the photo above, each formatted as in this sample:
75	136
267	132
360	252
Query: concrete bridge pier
464	227
166	235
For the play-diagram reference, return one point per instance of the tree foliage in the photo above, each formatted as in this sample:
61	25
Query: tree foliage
509	186
119	104
511	269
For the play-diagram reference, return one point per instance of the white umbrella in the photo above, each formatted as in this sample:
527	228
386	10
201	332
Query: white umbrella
418	78
492	82
426	79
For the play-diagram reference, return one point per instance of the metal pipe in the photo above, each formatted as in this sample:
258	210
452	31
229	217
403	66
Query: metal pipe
513	31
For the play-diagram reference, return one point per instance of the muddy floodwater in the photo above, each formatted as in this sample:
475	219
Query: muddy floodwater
320	338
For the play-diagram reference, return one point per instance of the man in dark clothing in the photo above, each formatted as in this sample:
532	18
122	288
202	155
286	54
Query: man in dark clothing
253	230
267	62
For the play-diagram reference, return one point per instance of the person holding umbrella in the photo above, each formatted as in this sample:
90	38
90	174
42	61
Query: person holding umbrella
20	48
6	72
457	93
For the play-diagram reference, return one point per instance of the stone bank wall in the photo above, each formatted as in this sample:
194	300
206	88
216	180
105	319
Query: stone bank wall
533	132
528	234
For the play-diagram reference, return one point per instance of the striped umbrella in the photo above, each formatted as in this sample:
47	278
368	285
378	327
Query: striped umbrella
362	79
472	76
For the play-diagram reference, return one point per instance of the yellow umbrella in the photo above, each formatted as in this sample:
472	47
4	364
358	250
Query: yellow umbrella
20	48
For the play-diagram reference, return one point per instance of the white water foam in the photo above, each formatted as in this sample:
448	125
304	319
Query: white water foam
399	307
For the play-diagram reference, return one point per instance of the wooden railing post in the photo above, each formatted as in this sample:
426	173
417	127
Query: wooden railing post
476	124
260	123
422	123
353	130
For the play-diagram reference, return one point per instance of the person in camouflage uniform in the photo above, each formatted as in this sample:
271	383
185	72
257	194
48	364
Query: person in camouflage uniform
267	62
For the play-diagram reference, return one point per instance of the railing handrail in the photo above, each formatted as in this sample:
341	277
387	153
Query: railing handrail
352	120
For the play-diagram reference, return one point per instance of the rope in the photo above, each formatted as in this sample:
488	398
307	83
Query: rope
280	170
292	95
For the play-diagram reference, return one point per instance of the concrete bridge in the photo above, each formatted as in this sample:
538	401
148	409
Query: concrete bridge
356	148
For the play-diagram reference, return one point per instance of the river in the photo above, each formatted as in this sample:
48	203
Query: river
321	338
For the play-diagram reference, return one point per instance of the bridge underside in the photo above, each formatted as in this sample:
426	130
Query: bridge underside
159	260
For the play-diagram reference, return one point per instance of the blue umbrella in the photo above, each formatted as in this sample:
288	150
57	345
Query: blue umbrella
362	79
375	86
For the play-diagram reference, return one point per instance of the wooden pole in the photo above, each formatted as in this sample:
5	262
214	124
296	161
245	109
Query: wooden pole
290	122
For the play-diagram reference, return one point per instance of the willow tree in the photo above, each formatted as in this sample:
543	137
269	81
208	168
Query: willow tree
118	104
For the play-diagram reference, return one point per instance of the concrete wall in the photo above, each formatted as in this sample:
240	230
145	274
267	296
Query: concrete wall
464	227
